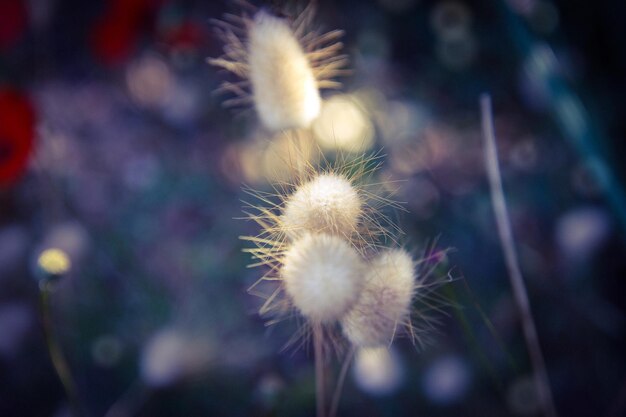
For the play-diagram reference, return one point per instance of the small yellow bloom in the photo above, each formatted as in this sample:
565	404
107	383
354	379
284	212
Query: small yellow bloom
54	261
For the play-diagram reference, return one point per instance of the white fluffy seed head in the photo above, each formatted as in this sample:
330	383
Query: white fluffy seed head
385	300
323	276
328	203
284	87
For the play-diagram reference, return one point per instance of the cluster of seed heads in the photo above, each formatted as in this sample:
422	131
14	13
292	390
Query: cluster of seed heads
329	281
328	269
321	241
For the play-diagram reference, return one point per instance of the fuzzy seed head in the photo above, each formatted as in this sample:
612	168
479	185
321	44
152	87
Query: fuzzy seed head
322	275
384	302
329	203
284	87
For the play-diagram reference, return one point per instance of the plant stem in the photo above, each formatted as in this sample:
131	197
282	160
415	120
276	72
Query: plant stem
318	347
130	402
505	233
56	354
340	381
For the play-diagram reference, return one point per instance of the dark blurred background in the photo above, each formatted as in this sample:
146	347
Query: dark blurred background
114	149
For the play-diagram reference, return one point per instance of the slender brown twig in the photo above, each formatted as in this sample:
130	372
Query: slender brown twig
505	233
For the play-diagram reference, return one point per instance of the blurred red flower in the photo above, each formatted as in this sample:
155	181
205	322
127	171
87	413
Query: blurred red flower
187	34
17	132
13	22
117	33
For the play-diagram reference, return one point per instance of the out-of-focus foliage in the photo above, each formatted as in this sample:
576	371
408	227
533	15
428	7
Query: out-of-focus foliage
135	172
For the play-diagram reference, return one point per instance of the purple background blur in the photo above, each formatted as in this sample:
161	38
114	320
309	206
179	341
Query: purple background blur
136	174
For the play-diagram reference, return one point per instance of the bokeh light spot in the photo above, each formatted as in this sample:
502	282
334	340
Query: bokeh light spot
344	125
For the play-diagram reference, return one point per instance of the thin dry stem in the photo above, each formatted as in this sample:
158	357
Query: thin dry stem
505	233
318	346
56	354
130	402
340	382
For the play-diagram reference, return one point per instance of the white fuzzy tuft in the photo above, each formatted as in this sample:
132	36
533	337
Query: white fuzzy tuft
284	87
328	203
384	301
322	275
